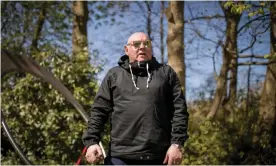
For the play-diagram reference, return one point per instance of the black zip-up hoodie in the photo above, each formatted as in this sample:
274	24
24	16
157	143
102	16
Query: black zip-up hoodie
147	110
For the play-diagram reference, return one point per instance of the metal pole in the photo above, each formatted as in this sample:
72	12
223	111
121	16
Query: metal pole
12	141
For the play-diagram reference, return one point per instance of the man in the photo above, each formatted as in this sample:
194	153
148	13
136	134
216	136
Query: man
147	109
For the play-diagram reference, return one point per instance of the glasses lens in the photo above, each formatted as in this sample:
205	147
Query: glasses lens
136	44
147	43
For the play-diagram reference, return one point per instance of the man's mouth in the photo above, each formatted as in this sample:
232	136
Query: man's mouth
142	54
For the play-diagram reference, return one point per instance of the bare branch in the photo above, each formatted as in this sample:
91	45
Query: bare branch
142	8
190	10
254	39
249	22
203	37
255	63
252	43
217	16
251	56
198	33
218	27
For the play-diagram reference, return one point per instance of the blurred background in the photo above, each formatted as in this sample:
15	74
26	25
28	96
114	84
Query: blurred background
223	53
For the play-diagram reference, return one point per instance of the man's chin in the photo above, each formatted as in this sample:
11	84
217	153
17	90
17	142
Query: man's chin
140	59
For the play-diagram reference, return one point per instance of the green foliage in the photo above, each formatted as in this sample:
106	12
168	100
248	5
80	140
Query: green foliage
236	7
19	20
207	145
107	12
270	56
240	7
229	138
47	127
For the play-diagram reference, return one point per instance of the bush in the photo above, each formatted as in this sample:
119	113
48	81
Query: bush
45	125
227	139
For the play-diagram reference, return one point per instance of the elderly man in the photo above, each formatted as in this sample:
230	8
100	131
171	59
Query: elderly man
147	110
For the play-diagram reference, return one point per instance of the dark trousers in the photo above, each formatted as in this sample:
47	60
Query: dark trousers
120	161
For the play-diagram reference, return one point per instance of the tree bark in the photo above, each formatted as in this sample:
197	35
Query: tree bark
248	95
268	95
148	5
38	29
175	40
229	62
234	18
79	35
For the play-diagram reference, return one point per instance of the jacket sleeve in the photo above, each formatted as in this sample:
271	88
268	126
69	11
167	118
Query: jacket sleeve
180	115
103	105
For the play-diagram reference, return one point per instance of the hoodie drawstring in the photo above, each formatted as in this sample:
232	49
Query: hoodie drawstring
132	77
148	75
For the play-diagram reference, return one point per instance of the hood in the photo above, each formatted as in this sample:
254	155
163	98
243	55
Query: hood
143	68
140	66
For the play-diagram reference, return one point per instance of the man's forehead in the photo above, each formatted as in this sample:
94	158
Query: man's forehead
137	36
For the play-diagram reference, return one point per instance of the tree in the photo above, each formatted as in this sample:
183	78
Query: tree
267	113
149	28
44	124
229	54
175	39
39	24
233	53
79	35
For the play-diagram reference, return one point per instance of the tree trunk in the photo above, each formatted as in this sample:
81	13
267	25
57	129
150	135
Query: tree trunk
229	52
148	5
175	39
37	31
248	95
162	32
268	96
234	61
79	35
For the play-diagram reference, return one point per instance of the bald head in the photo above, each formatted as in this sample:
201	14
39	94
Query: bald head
138	53
137	35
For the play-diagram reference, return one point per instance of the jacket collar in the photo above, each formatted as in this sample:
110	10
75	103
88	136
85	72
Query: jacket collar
137	66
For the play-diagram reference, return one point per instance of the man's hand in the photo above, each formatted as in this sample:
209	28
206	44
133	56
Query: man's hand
94	153
173	156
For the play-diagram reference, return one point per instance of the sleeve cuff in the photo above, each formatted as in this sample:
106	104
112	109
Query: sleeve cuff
180	142
90	142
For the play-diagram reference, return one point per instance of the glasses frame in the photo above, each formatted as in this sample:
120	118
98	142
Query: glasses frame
146	43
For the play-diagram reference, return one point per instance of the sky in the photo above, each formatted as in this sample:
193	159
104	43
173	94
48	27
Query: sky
109	41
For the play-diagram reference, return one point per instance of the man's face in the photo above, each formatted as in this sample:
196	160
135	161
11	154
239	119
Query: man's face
138	48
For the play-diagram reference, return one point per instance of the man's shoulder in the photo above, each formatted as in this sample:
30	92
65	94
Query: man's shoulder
114	70
165	67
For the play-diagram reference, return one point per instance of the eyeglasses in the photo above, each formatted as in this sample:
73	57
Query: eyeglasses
137	44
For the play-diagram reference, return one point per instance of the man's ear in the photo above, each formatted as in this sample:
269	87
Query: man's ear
126	50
